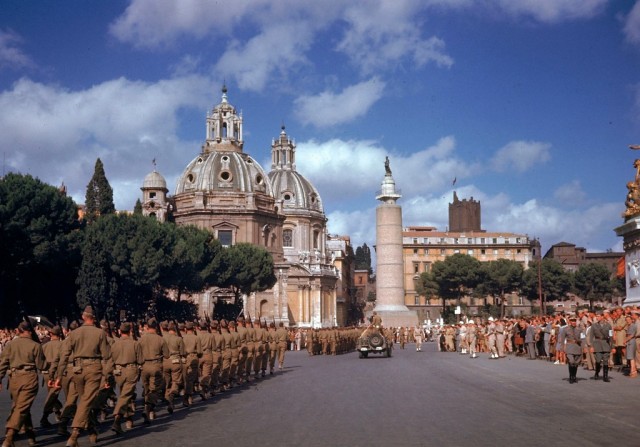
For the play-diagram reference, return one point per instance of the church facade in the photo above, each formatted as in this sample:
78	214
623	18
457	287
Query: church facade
226	191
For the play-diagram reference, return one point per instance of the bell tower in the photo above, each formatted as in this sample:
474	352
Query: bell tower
224	127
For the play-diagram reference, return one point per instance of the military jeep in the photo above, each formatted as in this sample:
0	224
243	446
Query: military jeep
372	341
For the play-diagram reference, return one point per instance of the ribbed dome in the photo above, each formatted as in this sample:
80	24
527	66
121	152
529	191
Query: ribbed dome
295	191
224	171
154	180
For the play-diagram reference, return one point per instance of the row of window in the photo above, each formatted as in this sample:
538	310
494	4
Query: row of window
469	240
470	252
427	265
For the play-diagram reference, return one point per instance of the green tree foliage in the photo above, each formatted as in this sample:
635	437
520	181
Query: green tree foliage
593	282
246	268
456	276
130	261
99	197
363	258
40	245
196	260
556	281
426	285
501	277
137	209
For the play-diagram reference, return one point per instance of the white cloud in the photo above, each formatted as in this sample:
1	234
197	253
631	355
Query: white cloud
358	224
336	166
279	49
57	134
570	193
385	34
632	25
353	102
520	155
11	56
552	11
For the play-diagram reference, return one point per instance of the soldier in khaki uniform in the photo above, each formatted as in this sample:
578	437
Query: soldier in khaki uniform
51	351
67	385
193	349
217	348
205	364
282	337
235	352
89	349
261	348
127	358
251	348
22	357
272	340
176	354
226	355
242	349
154	352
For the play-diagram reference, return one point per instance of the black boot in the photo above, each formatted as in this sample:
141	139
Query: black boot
570	373
605	373
62	427
596	376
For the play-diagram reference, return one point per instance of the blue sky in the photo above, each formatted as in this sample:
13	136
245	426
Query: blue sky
529	104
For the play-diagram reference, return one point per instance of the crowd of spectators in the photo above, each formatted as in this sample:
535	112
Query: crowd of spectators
538	337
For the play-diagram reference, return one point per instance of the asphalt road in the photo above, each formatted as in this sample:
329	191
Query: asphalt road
423	398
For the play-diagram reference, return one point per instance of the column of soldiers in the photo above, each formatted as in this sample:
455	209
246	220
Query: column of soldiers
84	370
331	341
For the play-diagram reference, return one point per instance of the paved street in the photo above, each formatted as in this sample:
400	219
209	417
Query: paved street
412	399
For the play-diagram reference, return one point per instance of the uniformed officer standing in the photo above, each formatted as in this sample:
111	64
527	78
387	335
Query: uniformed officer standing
89	348
417	335
127	357
22	357
154	351
51	351
570	342
500	338
599	339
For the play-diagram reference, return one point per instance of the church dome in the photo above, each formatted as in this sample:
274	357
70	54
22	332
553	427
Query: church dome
154	180
295	191
224	171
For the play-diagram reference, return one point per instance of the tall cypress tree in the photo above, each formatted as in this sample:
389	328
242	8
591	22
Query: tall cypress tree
137	209
99	197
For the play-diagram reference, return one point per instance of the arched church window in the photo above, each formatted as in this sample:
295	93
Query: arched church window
316	239
224	130
287	238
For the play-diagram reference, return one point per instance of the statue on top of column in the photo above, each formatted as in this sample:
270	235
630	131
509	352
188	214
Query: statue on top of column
633	195
387	168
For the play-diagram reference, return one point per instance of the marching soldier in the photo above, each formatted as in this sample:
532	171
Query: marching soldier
272	340
261	348
154	351
22	357
242	349
226	355
69	388
235	352
282	336
570	342
205	363
89	348
51	351
217	348
599	340
251	347
127	358
176	354
193	349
